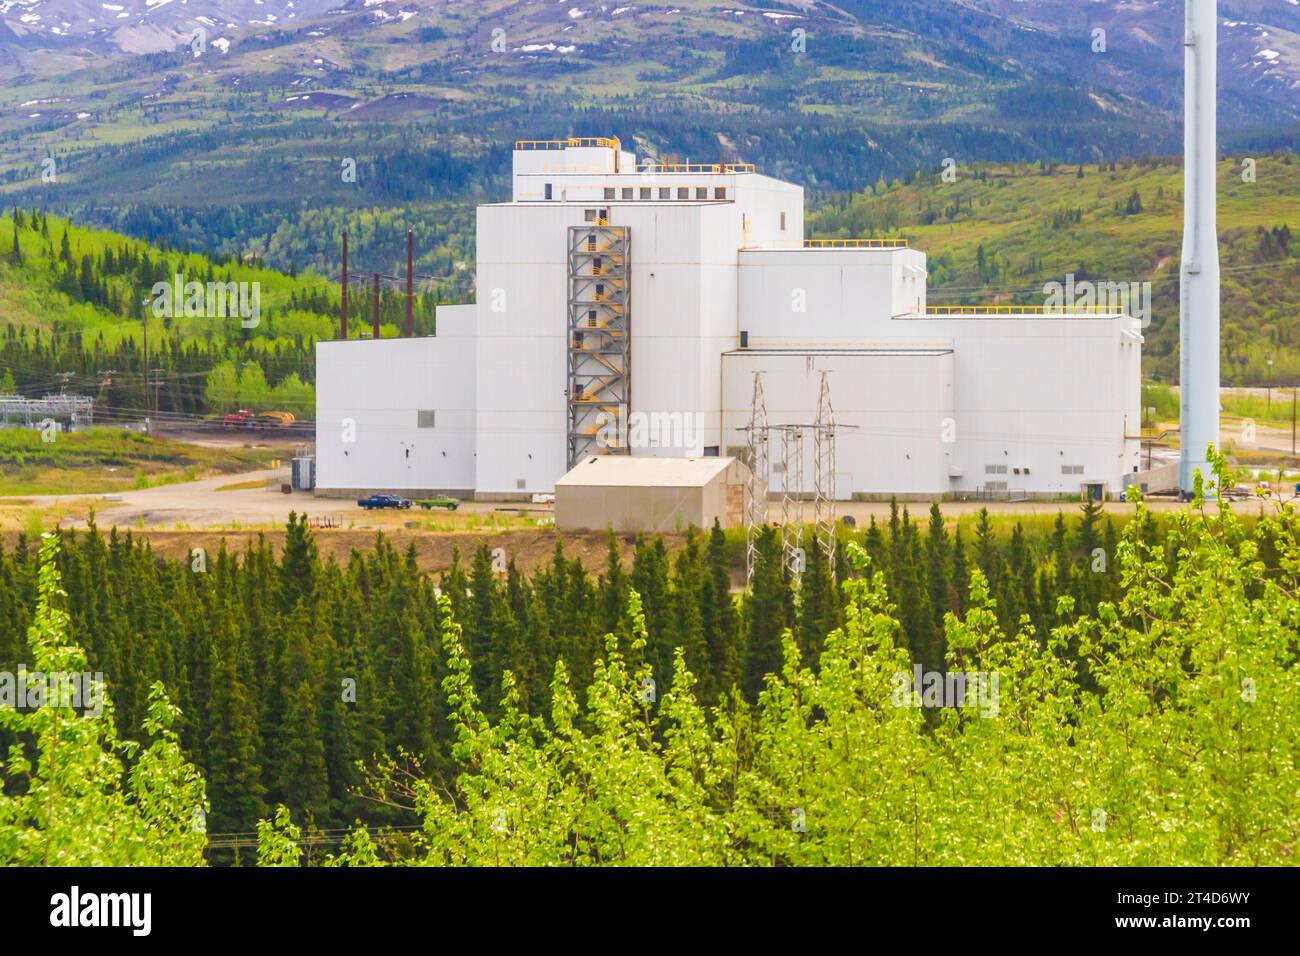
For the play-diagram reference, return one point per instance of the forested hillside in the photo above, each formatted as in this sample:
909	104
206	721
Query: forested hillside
999	233
223	146
72	301
1147	692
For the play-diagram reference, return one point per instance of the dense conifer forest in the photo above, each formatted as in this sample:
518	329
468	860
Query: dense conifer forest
297	680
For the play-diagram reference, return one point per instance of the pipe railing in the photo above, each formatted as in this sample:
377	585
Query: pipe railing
610	142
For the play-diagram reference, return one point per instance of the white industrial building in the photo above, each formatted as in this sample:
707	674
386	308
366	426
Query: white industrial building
626	308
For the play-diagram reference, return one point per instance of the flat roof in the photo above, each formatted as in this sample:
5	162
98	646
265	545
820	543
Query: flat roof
996	313
611	203
928	350
644	471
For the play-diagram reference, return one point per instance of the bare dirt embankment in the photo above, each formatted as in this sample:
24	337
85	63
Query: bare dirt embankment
433	550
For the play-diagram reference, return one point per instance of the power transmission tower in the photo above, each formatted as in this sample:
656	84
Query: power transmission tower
756	496
791	467
792	498
824	475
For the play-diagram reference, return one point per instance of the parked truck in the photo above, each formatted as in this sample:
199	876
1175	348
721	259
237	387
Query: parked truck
237	419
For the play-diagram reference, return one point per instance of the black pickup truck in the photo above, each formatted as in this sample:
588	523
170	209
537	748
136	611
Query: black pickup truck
384	501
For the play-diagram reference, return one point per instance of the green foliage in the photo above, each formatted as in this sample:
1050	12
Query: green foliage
75	793
77	308
1143	716
1182	753
106	459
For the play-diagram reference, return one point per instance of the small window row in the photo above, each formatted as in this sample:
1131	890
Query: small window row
664	192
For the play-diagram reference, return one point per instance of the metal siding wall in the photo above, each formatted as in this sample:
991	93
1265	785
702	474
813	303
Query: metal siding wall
381	386
898	401
1042	393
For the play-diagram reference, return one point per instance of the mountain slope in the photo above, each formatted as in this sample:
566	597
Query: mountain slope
999	234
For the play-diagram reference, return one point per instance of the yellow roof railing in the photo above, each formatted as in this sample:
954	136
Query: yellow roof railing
1019	310
712	168
855	243
610	142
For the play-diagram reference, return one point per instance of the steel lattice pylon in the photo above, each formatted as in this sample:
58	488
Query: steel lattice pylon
791	465
824	475
792	498
756	494
600	341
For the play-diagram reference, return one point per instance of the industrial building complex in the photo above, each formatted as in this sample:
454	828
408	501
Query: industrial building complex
678	311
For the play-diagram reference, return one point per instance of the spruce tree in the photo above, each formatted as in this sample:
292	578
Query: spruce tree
719	620
233	745
768	612
940	600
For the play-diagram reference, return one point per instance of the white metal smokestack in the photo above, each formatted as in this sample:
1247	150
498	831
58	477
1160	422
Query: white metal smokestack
1198	321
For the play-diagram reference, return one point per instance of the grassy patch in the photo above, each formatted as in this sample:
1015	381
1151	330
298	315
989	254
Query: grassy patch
103	460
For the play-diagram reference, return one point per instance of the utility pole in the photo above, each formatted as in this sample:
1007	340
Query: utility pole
157	386
146	357
409	329
343	288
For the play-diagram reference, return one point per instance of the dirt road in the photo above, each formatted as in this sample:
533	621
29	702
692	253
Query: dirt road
219	503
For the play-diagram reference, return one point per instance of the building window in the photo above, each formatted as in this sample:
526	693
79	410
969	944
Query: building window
720	192
645	192
609	192
744	339
701	192
548	190
995	469
1072	469
783	222
591	242
424	418
683	192
665	192
589	215
996	486
521	484
710	451
591	318
627	192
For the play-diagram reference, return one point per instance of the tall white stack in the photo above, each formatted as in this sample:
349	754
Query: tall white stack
1199	314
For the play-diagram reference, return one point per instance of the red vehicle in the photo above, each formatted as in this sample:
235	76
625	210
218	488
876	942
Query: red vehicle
237	419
